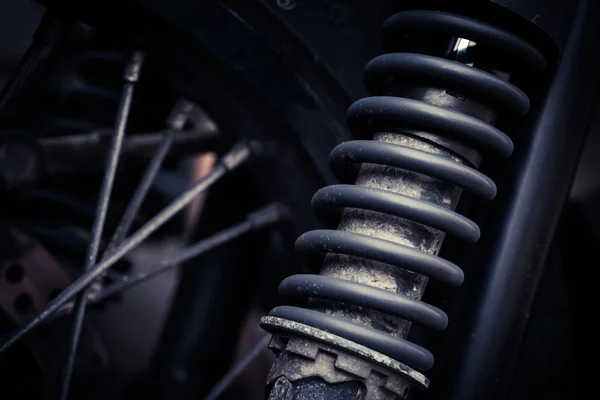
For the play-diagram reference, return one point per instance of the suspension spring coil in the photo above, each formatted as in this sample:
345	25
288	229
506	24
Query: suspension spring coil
393	220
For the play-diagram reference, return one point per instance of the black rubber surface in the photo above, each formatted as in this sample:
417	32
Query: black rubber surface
399	349
439	119
321	241
521	52
447	74
349	153
329	288
339	196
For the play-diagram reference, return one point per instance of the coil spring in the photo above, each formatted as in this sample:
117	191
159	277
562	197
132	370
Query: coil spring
362	114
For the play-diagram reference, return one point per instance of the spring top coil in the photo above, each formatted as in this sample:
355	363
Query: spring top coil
385	109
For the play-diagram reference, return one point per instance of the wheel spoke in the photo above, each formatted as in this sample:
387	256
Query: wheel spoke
176	122
257	220
237	156
140	193
131	76
188	253
235	371
74	154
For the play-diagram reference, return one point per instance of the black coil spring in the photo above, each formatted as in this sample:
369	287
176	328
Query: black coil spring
441	73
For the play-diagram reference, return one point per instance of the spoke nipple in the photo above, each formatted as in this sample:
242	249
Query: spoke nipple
180	114
238	154
134	66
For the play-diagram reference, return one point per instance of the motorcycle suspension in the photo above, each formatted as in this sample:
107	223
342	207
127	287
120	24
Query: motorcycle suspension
435	98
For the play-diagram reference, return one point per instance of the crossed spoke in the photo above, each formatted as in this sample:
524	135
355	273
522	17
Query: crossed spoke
257	220
237	156
120	245
131	76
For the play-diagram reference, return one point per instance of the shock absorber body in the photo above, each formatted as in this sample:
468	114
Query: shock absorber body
435	100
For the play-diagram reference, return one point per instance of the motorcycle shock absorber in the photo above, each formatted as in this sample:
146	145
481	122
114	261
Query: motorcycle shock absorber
434	102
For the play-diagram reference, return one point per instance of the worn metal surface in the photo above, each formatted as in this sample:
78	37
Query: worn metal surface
352	351
314	389
373	273
395	229
300	359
